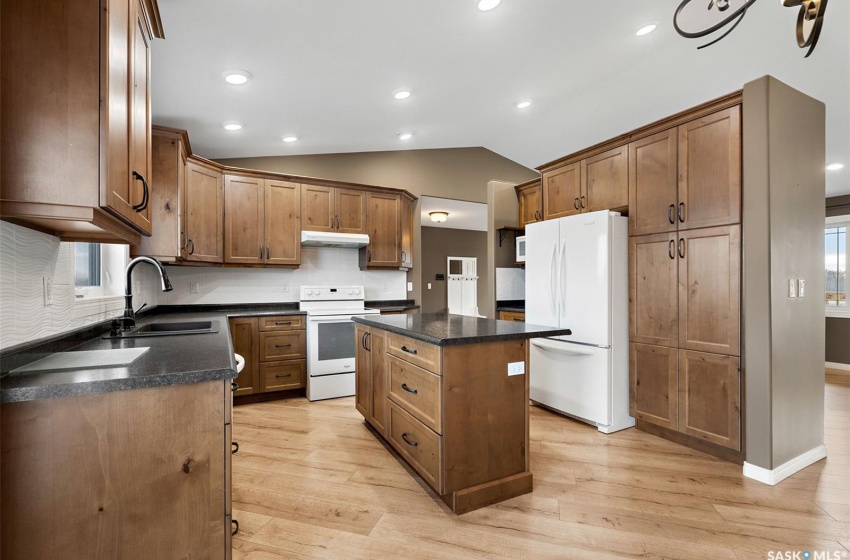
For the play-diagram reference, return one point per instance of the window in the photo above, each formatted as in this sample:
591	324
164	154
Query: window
87	265
97	269
835	260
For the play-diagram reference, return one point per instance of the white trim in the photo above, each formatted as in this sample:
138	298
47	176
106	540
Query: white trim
836	365
777	475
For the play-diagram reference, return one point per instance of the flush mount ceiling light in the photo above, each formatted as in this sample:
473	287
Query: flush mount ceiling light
405	136
524	104
289	138
439	217
646	28
232	126
237	77
487	5
835	166
402	94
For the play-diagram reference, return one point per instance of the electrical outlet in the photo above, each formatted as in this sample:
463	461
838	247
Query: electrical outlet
284	288
410	286
516	368
194	287
801	287
792	288
47	285
429	285
386	286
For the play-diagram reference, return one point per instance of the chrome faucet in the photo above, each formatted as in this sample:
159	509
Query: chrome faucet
129	319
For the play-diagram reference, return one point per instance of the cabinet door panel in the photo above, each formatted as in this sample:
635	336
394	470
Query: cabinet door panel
710	290
378	356
384	216
653	382
283	223
562	192
653	289
605	180
652	183
710	398
530	204
710	170
246	343
406	233
204	214
244	238
140	121
362	372
317	208
351	211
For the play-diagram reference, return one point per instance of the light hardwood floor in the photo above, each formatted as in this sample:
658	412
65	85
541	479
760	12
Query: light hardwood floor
312	481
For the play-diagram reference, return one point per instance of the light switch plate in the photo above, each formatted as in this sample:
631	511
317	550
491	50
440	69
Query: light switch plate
801	287
792	288
516	368
410	286
429	285
47	285
194	287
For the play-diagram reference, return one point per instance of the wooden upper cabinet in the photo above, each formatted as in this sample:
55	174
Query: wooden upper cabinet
605	180
562	192
710	290
246	343
384	228
406	232
530	197
654	385
140	119
318	208
204	214
652	183
653	290
710	170
351	211
710	398
244	235
282	222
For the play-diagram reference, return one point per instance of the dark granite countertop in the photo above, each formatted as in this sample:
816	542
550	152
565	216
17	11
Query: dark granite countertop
444	329
392	305
171	360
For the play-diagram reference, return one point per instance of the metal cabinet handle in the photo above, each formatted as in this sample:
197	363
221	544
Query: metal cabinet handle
403	256
184	240
283	376
234	386
537	215
582	201
671	214
408	442
681	248
283	322
261	252
282	345
408	350
234	447
234	530
408	389
145	193
268	252
517	319
192	251
363	341
682	212
369	341
671	250
576	203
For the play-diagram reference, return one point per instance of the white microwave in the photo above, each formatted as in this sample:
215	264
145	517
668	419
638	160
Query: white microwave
520	249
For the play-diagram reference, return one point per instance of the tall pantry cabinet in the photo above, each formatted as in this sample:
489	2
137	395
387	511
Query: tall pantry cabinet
685	278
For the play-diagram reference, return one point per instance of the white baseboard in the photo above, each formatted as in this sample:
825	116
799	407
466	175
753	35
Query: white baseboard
777	475
836	365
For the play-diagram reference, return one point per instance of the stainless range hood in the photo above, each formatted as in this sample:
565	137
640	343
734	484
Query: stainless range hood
333	239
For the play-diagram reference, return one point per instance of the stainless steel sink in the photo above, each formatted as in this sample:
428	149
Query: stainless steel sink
170	329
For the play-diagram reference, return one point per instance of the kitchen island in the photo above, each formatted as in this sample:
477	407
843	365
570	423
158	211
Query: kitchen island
450	394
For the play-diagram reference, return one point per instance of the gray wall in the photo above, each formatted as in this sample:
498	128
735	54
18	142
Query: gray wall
439	243
838	328
784	186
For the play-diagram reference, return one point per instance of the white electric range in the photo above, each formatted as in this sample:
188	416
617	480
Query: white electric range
330	338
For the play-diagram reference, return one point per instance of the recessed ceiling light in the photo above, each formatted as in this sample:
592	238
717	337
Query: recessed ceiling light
405	136
487	5
232	126
402	94
524	104
835	166
237	77
646	28
290	138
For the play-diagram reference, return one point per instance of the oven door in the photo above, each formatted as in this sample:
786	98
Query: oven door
330	345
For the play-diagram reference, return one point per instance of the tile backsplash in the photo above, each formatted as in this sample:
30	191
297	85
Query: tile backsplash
319	266
510	284
26	257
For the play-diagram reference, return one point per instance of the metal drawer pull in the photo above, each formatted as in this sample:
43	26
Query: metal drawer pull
282	345
582	201
671	214
283	376
681	248
682	212
408	389
671	250
235	530
234	447
407	441
518	319
576	204
408	350
234	386
283	322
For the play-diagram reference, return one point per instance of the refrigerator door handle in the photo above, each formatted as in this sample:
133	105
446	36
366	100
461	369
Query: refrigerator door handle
553	271
560	348
563	270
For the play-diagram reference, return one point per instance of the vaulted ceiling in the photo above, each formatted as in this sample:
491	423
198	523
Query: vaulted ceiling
326	70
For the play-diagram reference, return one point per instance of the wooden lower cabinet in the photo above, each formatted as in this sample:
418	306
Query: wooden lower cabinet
245	336
275	352
371	376
710	397
280	376
512	316
654	385
134	474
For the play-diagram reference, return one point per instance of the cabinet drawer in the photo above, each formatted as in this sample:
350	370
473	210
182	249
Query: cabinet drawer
276	346
422	354
417	391
278	376
282	323
512	316
417	444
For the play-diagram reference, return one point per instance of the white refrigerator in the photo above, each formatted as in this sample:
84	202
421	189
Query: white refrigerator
576	277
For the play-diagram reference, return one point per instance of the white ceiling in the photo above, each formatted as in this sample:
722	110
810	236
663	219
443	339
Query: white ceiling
462	214
325	70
